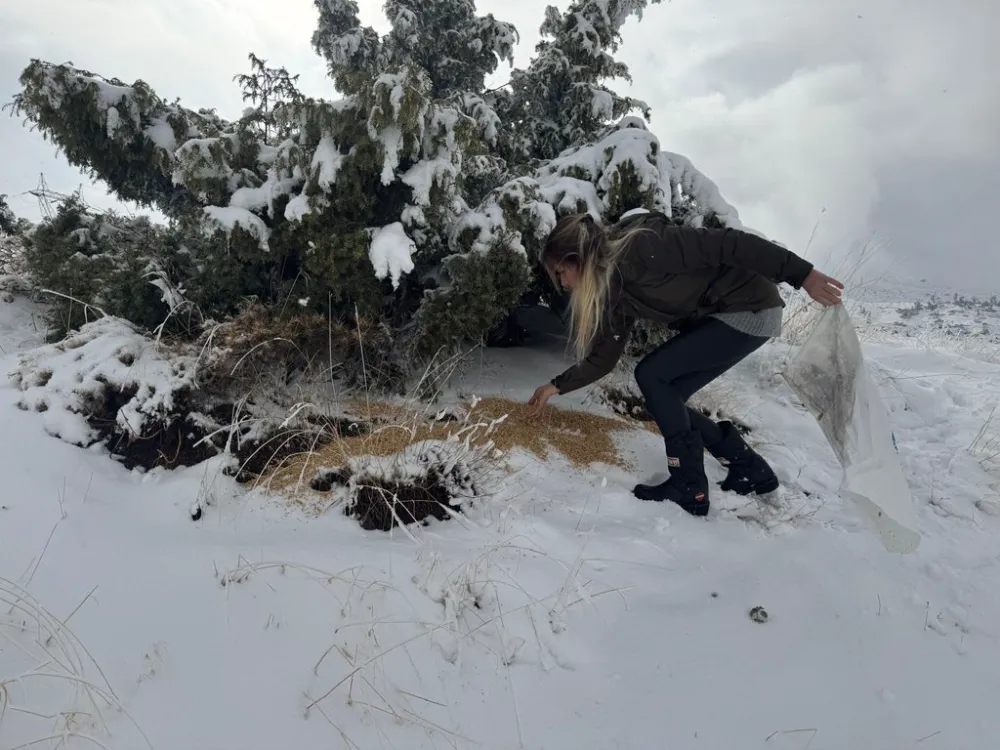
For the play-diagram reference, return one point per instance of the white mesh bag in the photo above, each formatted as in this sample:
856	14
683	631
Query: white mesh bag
829	375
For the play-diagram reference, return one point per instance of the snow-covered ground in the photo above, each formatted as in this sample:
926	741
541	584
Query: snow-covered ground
558	613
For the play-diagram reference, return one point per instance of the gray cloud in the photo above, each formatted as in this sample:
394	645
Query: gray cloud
876	118
864	117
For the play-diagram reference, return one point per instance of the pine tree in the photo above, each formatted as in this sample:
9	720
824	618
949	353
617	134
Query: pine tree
12	226
347	205
418	201
8	221
454	47
270	90
561	101
13	269
573	146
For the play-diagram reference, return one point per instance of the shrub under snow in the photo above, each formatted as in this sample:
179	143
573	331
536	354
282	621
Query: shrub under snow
105	377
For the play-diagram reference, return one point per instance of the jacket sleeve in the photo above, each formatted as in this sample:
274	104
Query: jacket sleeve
604	354
692	249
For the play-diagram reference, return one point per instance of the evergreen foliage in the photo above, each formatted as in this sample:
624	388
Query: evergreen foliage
560	101
8	221
94	261
419	200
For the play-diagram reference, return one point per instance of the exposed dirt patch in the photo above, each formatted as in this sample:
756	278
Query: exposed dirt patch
180	438
626	404
170	444
326	479
257	457
384	505
434	486
741	427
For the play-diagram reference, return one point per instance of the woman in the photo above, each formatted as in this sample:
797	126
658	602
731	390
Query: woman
717	287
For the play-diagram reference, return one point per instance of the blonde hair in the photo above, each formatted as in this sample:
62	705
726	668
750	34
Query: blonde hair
578	239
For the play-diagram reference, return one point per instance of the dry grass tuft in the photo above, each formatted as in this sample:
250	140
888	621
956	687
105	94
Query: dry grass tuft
258	324
261	341
582	438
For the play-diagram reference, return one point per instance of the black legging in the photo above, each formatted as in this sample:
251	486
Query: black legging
685	364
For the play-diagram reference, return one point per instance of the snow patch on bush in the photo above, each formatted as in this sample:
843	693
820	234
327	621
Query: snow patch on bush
587	177
66	379
516	213
391	252
326	162
230	217
264	196
681	176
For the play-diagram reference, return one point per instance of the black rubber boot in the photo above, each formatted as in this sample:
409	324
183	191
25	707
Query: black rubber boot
748	471
688	485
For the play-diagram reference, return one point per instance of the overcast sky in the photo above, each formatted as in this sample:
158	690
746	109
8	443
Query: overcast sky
857	121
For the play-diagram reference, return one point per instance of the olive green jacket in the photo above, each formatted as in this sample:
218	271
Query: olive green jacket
676	275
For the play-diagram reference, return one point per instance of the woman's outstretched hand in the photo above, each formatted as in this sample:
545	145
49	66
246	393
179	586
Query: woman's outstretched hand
824	289
542	395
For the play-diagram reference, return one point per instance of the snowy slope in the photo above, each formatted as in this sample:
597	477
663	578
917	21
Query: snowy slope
561	613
